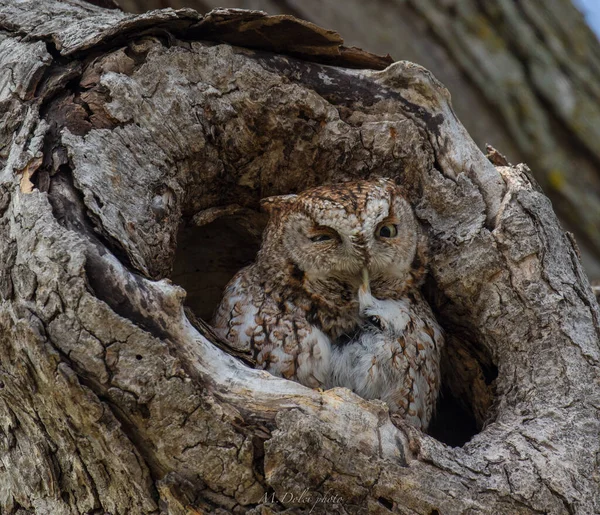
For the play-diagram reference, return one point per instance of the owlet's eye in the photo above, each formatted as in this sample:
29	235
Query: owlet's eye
321	237
388	231
375	321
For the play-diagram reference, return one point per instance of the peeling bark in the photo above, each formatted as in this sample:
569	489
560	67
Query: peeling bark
523	77
125	136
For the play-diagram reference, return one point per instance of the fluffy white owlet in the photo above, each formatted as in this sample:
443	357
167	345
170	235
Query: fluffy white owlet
301	293
395	357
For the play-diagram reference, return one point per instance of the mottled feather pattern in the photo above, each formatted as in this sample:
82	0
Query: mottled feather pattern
297	306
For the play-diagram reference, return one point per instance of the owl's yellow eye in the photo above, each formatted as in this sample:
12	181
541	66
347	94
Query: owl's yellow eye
388	231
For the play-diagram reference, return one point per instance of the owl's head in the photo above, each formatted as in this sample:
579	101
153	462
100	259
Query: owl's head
337	230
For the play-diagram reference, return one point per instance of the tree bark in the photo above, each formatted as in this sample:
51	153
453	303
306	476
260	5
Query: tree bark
134	152
523	77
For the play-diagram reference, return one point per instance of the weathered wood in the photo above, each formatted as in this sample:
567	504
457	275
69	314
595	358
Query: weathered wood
523	77
125	129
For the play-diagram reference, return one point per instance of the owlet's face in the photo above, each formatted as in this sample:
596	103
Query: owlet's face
339	230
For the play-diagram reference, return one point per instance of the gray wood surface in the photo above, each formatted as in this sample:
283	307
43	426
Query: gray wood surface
523	77
120	134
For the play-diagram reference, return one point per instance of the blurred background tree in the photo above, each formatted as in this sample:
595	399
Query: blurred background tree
524	77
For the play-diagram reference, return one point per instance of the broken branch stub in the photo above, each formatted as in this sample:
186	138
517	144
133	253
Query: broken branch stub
111	399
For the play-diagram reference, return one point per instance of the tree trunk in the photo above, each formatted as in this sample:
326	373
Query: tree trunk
134	153
523	77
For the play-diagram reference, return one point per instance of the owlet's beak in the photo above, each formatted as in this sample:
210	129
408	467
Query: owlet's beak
365	298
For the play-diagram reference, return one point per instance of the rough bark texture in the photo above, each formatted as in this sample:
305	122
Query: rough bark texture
523	77
122	136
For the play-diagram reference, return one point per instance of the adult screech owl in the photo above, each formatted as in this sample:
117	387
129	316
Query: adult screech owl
301	293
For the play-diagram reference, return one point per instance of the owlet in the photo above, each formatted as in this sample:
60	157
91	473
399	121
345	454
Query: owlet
395	357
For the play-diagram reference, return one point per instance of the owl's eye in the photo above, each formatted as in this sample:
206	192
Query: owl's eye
388	231
321	237
375	321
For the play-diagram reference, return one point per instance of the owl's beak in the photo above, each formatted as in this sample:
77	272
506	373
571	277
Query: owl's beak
364	285
364	291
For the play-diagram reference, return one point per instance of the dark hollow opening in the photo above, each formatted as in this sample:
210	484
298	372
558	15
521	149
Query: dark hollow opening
452	423
386	503
208	257
460	412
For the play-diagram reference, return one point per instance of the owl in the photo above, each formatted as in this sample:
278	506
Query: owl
301	293
395	357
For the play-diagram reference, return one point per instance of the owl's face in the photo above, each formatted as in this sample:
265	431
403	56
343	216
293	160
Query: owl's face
337	230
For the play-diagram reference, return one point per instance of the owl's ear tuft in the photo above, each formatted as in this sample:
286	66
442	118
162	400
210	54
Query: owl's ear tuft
274	204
